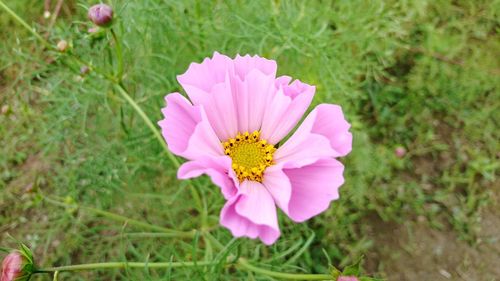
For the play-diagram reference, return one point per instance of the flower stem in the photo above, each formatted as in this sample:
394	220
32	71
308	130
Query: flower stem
119	55
242	263
120	265
119	87
24	24
202	208
288	276
129	221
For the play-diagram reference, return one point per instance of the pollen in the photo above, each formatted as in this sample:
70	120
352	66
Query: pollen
250	155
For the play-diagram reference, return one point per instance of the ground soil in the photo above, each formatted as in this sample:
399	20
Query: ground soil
415	251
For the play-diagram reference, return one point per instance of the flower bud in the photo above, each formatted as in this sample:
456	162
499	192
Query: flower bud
347	278
93	30
101	14
400	152
84	70
17	266
62	45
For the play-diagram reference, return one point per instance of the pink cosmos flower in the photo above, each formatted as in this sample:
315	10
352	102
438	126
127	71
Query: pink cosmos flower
232	129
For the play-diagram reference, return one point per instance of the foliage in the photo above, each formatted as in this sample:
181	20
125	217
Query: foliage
421	74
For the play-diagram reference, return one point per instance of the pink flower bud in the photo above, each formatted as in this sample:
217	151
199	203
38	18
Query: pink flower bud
101	14
16	267
347	278
93	30
62	45
400	151
84	70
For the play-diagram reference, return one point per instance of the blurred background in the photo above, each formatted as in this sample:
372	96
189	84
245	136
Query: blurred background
418	80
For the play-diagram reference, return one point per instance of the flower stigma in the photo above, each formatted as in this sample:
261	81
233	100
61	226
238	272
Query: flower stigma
250	155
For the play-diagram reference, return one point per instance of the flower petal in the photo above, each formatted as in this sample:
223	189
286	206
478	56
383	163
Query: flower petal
279	186
187	130
324	133
217	168
330	122
203	76
252	213
313	188
285	110
244	65
252	96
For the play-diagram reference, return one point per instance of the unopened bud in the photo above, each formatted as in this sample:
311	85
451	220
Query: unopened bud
46	14
400	151
84	70
93	30
5	109
62	45
17	266
101	14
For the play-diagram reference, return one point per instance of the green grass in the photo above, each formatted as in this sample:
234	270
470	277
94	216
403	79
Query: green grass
419	74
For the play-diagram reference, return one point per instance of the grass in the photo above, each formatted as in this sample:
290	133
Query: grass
418	74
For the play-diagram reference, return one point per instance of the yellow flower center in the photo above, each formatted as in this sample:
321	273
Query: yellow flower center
251	155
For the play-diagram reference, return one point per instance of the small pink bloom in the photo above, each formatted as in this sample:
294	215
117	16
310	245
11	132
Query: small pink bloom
101	14
347	278
232	129
12	266
62	46
400	151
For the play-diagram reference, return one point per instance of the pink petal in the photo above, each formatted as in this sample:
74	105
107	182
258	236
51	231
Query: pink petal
324	133
221	109
252	213
286	109
205	75
330	122
234	93
279	186
252	97
313	187
187	130
217	168
244	65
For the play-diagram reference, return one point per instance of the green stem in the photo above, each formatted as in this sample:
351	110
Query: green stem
194	192
146	120
288	276
24	24
202	208
129	221
119	55
121	265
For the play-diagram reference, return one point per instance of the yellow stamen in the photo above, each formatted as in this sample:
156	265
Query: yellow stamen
251	155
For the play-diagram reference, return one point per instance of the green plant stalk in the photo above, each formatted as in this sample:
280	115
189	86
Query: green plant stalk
120	265
119	55
243	264
23	23
129	221
202	208
194	193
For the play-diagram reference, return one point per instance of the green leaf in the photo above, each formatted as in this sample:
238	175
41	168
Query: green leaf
353	269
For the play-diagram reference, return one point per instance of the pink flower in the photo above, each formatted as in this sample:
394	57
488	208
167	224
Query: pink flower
232	129
12	267
400	152
100	14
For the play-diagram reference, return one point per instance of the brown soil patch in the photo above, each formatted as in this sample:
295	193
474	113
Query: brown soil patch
414	251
